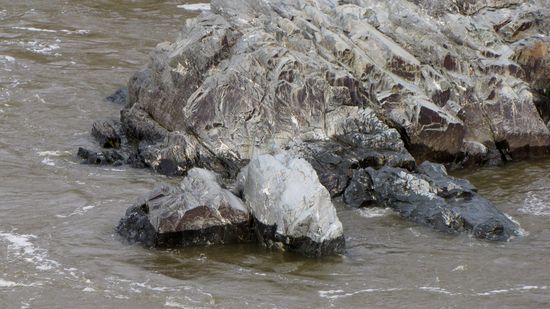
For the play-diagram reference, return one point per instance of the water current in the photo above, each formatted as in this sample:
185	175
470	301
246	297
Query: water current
60	58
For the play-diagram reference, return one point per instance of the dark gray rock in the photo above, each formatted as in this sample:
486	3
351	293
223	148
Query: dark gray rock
291	207
359	140
430	197
198	212
119	97
106	132
359	192
107	157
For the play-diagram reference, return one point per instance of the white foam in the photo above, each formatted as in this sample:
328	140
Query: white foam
48	162
41	48
7	58
511	290
11	284
335	294
170	302
66	31
374	212
7	284
21	247
33	29
438	290
116	170
80	32
521	231
195	7
535	205
54	153
79	211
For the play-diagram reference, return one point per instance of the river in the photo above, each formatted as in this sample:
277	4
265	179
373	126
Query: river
58	249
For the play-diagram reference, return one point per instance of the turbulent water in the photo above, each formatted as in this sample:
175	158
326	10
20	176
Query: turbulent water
58	59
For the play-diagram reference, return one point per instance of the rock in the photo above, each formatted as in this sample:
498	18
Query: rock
111	157
430	197
139	127
359	192
198	212
444	74
108	157
119	97
106	132
359	140
178	153
291	207
350	86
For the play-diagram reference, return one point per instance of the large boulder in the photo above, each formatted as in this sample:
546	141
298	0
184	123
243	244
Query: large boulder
197	212
462	82
431	197
290	206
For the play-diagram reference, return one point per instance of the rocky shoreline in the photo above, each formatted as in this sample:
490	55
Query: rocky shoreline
273	108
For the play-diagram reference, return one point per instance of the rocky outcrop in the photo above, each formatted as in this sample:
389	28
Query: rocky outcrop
290	206
357	88
106	132
290	210
431	197
198	212
457	79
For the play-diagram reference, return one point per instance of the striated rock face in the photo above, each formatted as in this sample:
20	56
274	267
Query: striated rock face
459	80
290	206
198	212
431	197
106	133
358	88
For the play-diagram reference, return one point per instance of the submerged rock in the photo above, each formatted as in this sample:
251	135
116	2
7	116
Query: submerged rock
119	97
107	157
430	197
197	212
291	207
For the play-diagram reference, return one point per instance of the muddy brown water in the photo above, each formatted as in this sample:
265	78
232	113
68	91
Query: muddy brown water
58	59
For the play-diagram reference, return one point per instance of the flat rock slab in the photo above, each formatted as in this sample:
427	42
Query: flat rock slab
198	212
291	207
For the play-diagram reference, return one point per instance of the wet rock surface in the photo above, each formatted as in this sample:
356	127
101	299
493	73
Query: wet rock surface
119	97
106	132
198	212
355	87
291	207
432	198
